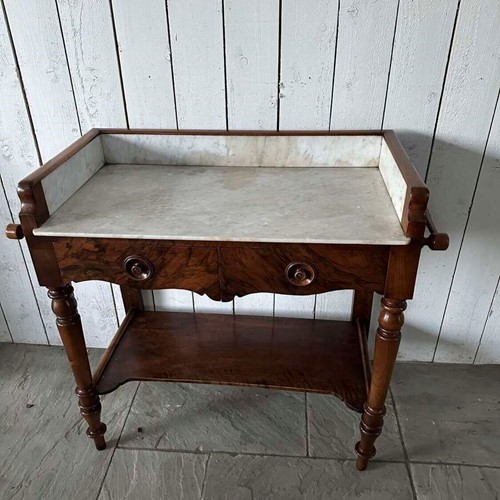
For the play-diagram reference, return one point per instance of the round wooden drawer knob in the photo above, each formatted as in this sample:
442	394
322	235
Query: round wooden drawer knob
138	268
300	273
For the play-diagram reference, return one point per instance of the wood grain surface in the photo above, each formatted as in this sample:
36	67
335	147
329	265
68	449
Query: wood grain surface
240	350
171	266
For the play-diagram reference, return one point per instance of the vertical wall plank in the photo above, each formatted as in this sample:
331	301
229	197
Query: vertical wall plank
421	48
16	291
308	36
19	157
252	88
97	309
334	305
464	121
366	31
256	304
476	276
148	300
119	306
198	62
173	300
489	349
39	47
91	50
251	63
288	306
144	51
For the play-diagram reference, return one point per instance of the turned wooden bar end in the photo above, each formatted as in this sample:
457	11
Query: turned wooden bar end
14	232
435	240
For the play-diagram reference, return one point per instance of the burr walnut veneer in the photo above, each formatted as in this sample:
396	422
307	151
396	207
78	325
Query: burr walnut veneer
229	214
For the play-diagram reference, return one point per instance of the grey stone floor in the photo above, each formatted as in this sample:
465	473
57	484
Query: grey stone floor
179	441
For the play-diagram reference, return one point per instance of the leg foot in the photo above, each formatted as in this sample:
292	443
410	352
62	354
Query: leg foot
362	460
90	409
99	441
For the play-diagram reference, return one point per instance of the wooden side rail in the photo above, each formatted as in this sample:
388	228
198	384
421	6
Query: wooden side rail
435	240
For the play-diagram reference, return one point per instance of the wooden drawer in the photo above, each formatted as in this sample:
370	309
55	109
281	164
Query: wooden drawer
139	264
302	269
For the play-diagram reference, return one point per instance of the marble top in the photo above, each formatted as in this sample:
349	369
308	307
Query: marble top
259	204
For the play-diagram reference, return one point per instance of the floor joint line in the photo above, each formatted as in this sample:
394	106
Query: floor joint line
403	445
117	441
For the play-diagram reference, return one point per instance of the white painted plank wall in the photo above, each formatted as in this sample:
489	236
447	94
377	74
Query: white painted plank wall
144	53
47	81
198	61
488	350
308	40
364	47
93	62
421	47
281	63
40	51
467	107
478	267
19	156
251	41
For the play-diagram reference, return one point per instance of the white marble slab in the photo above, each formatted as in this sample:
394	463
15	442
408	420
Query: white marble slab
315	205
65	180
393	178
253	151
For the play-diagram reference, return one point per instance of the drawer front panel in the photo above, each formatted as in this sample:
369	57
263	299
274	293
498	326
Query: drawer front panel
139	264
302	269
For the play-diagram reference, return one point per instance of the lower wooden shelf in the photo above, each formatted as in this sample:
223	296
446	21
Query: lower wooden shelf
282	353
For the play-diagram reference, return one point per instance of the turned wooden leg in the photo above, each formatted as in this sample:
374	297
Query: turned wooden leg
132	298
71	332
390	321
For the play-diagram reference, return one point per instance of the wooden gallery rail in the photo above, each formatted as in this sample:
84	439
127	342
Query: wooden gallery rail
229	214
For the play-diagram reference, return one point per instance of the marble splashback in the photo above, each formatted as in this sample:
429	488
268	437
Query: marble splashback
253	151
309	205
393	178
68	178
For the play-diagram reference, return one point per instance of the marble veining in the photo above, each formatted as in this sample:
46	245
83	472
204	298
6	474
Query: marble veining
393	178
310	205
65	180
252	151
